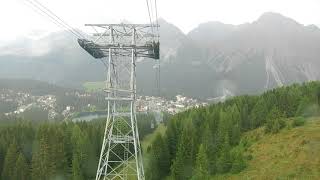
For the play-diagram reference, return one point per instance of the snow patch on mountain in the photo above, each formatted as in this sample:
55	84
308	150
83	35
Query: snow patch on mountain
272	72
226	93
309	71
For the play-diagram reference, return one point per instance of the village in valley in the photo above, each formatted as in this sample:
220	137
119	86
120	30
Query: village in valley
14	103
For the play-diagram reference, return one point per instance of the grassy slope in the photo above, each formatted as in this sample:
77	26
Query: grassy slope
94	86
293	153
147	140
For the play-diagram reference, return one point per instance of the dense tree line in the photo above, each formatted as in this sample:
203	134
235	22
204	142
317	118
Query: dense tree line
39	150
206	141
37	88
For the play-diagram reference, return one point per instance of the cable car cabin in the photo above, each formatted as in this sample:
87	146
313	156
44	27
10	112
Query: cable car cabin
91	48
150	50
156	49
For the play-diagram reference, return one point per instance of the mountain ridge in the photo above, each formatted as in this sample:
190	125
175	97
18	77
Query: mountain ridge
212	60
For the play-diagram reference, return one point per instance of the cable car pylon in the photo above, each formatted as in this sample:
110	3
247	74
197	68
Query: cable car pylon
119	46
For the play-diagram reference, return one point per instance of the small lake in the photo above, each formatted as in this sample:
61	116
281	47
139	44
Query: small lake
89	116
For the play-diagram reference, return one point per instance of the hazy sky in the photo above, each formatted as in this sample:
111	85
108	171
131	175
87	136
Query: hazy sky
18	19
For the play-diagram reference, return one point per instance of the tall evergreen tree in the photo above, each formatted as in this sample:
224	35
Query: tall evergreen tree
172	136
201	170
183	163
152	171
223	162
318	96
259	113
245	124
79	157
159	164
77	173
41	160
10	162
2	155
58	166
177	168
21	171
236	126
238	162
208	141
303	105
275	121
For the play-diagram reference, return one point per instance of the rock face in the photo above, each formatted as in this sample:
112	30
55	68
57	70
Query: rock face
213	60
221	60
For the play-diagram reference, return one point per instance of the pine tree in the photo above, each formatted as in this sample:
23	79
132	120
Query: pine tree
201	170
153	171
210	146
177	168
223	161
21	171
79	156
41	160
159	164
76	168
318	96
183	163
90	161
275	121
10	162
258	113
236	130
238	162
172	136
304	102
245	124
58	166
2	155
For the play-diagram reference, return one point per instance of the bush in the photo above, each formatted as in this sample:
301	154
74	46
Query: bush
299	121
238	159
275	125
275	121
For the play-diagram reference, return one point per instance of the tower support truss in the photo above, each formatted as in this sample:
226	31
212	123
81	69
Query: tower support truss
119	46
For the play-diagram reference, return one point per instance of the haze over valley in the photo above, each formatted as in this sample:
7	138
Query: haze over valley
219	59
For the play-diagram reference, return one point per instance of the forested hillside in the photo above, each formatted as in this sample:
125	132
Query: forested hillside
201	143
206	142
32	86
42	150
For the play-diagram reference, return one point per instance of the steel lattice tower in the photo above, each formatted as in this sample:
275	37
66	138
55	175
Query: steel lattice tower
118	46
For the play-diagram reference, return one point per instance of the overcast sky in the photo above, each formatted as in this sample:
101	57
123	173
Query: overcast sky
18	19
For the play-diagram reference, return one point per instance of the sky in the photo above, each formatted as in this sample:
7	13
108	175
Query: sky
18	18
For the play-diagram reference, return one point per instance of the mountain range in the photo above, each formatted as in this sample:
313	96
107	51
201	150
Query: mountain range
212	60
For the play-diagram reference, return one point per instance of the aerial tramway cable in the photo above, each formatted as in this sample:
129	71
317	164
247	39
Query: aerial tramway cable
158	61
153	18
61	20
157	19
44	11
54	22
150	17
152	13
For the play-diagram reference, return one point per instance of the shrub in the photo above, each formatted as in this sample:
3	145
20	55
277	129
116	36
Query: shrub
275	121
238	159
275	125
299	121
